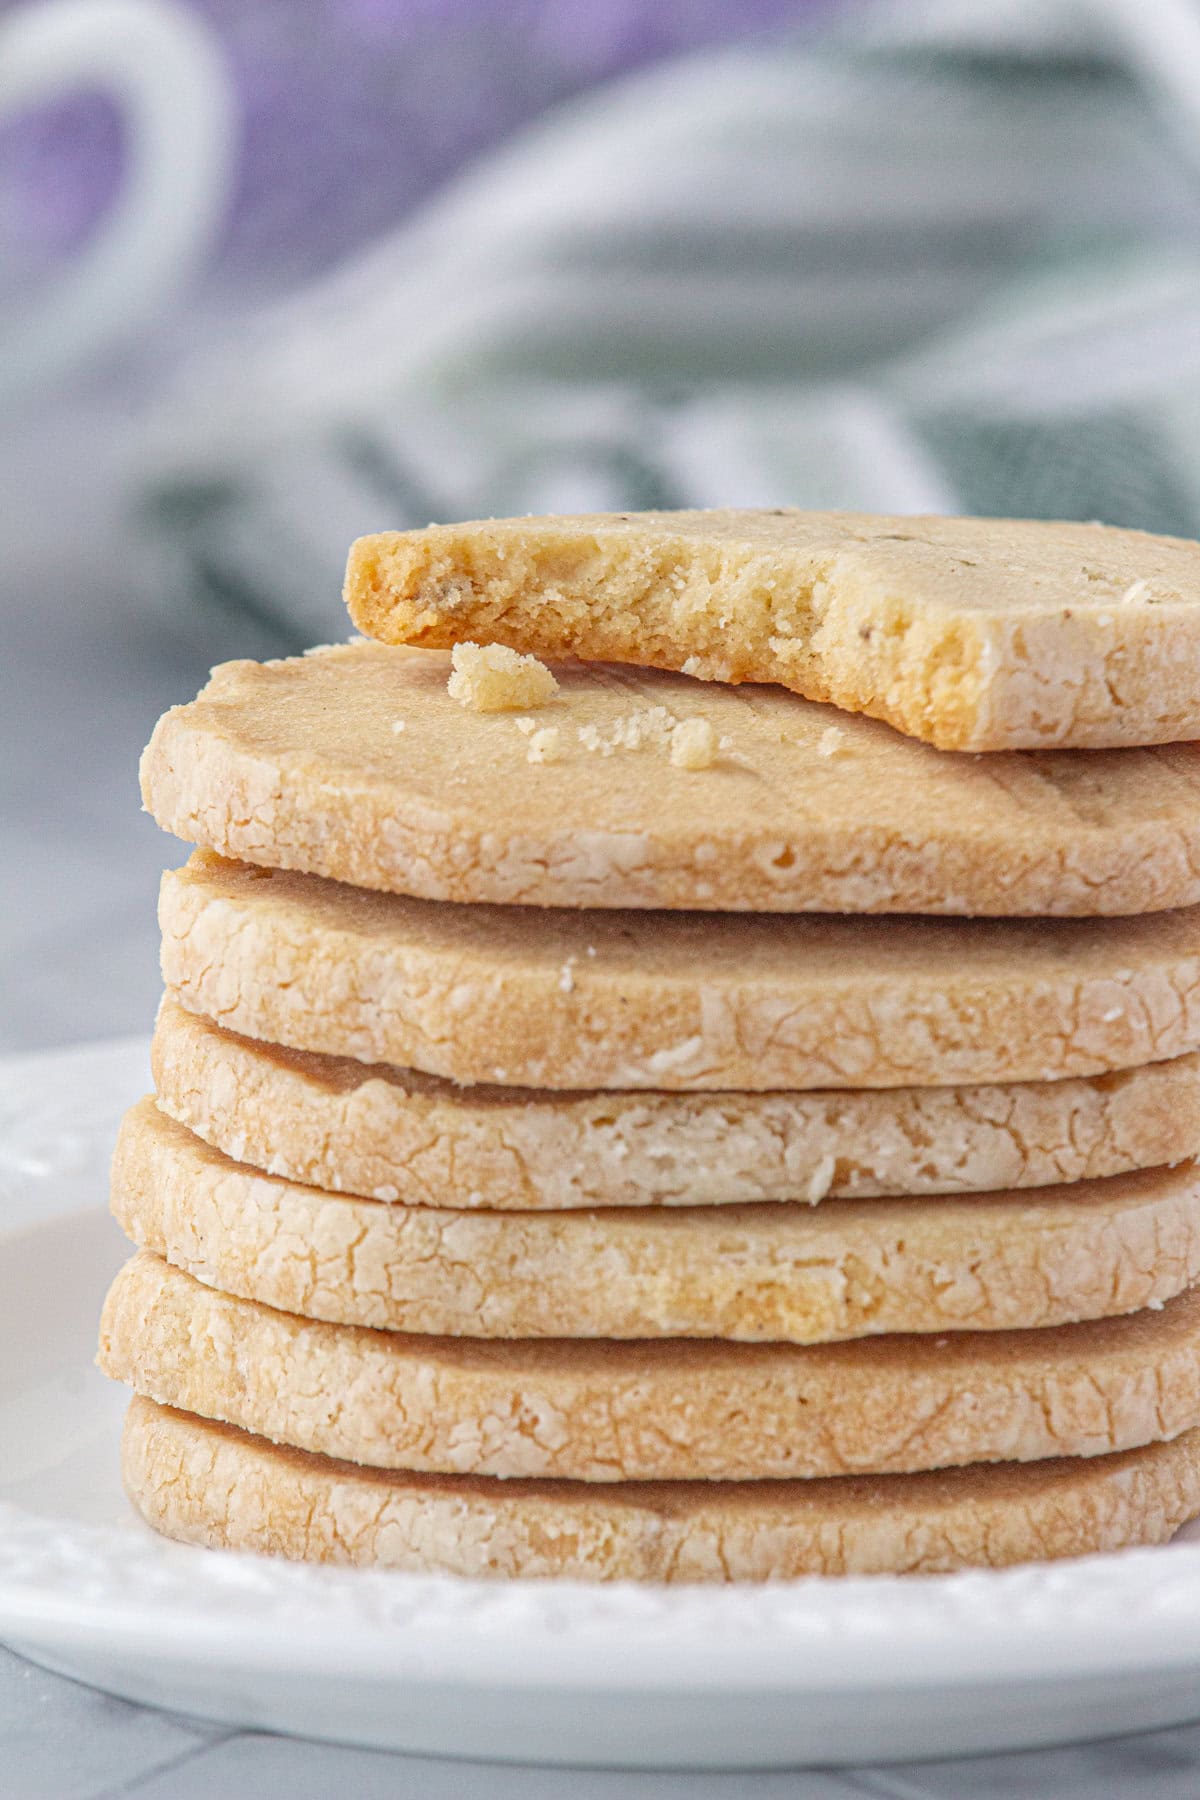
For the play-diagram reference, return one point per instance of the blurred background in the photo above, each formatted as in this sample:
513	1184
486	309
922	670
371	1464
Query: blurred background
273	274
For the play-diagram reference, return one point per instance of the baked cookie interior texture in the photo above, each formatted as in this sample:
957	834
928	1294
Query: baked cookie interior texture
680	1059
971	634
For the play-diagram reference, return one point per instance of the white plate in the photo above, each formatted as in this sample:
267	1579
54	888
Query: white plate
816	1671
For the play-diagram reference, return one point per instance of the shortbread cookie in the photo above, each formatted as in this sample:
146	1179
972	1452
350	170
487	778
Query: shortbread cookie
668	1411
355	762
393	1134
211	1484
974	634
798	1274
527	997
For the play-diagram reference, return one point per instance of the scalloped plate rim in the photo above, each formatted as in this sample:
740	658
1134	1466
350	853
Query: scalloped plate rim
782	1664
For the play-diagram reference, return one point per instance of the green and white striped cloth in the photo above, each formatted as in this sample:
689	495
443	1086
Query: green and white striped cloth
944	257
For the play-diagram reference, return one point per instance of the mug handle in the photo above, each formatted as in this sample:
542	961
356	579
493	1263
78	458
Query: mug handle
162	66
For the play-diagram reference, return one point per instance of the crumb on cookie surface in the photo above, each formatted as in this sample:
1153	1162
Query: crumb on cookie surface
491	678
545	746
693	744
646	728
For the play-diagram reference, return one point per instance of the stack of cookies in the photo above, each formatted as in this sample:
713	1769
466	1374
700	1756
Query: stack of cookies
611	1121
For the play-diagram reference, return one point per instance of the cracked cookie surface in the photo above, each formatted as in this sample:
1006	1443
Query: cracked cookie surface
681	1410
766	1273
555	998
393	1134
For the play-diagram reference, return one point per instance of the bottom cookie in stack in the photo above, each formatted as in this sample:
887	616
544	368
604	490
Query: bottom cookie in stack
211	1484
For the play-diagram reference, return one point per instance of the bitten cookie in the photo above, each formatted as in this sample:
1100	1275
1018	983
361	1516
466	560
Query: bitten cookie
973	634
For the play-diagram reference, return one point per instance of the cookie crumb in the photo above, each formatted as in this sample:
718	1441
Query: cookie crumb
545	746
704	668
821	1180
492	678
399	725
830	740
649	727
693	744
1137	590
525	725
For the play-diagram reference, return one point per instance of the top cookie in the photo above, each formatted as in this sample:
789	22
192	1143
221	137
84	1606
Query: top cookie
972	634
355	762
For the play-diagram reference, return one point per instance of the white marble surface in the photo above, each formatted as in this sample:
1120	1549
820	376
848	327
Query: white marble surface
86	664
